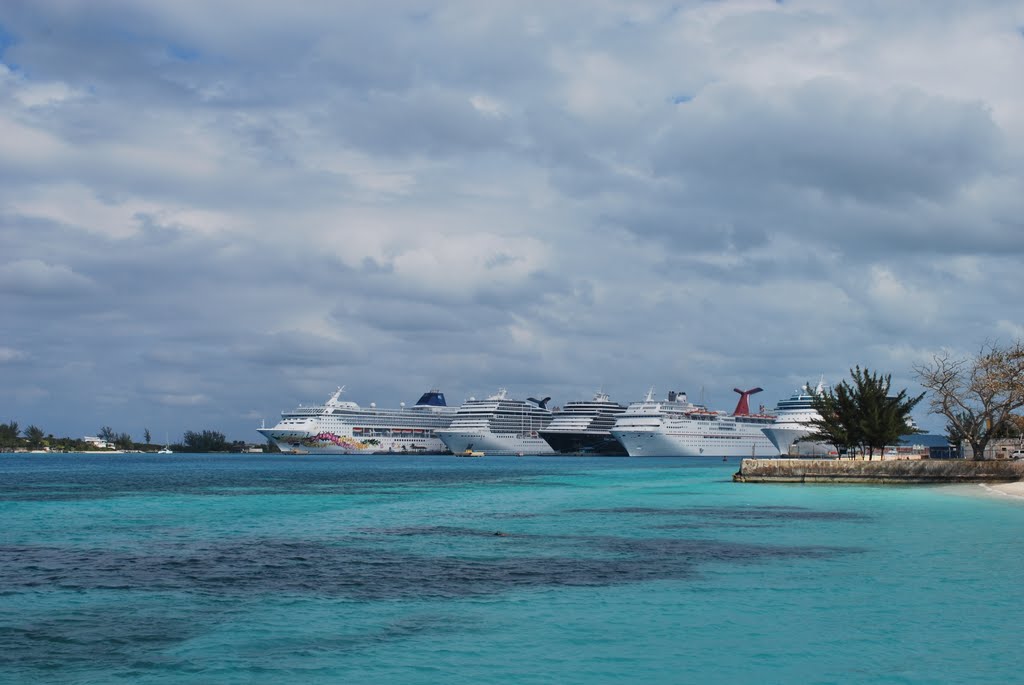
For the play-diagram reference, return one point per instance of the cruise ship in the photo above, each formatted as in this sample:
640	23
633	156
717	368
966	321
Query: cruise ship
678	428
499	425
793	417
584	427
343	427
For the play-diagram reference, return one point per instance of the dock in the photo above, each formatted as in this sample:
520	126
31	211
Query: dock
893	471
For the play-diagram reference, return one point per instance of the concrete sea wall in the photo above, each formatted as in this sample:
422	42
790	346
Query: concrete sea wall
894	471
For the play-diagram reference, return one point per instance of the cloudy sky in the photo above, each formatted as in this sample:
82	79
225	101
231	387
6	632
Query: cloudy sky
211	212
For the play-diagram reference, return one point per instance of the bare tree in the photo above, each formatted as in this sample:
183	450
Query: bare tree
977	395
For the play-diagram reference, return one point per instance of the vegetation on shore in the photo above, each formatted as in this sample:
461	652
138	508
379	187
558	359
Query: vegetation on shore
978	396
13	438
864	415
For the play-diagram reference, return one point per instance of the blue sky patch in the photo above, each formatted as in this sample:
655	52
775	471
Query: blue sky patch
182	53
6	40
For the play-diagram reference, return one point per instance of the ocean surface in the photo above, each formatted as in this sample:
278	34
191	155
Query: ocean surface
427	569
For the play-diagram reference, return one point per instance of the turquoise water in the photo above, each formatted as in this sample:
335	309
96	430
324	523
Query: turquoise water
273	569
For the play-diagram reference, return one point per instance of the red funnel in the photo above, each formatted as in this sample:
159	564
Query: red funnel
743	406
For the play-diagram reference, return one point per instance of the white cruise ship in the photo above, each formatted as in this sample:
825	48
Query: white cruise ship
584	427
499	425
342	427
793	417
677	428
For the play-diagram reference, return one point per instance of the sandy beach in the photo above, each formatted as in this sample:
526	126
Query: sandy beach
1009	491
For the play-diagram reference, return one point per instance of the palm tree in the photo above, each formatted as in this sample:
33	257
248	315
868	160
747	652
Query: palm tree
34	435
9	434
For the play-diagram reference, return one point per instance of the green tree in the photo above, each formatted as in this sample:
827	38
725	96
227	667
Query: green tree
123	441
9	434
864	414
107	433
34	436
978	395
207	441
836	423
146	435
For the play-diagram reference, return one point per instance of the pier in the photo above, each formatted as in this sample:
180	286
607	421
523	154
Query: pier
894	471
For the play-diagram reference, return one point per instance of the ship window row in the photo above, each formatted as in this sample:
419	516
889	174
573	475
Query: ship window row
375	432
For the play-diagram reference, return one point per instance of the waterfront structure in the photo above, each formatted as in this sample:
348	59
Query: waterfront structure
675	427
898	471
499	425
584	427
342	427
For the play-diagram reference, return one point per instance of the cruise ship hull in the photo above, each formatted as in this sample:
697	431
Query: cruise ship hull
460	442
647	443
596	443
784	438
328	442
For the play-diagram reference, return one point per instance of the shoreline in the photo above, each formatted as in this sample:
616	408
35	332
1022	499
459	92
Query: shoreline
1015	489
895	472
1013	492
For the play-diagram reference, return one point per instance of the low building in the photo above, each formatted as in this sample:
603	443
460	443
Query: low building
1005	448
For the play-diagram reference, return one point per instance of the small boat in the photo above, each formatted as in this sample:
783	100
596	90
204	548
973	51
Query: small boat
167	446
470	453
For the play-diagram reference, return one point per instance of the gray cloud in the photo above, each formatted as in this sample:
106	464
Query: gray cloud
841	141
34	277
9	355
209	213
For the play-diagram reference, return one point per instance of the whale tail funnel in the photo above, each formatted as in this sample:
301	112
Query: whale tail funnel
743	406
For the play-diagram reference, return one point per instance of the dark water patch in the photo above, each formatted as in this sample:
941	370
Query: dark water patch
92	637
769	513
447	531
370	571
624	510
701	525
